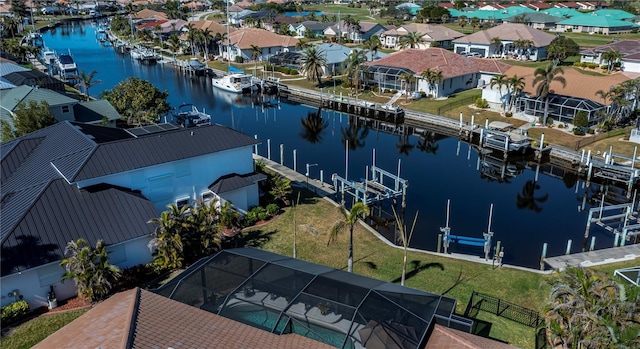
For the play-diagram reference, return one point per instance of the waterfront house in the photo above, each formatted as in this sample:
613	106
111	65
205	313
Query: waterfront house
336	56
363	32
537	20
309	28
73	180
7	67
431	34
578	94
459	73
510	34
242	41
595	23
628	49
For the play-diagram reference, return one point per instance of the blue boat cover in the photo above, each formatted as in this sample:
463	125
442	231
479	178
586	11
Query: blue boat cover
235	70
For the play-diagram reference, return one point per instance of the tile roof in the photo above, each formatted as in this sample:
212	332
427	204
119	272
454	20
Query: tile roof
447	338
451	64
578	84
146	14
509	32
235	181
432	32
141	319
624	47
246	37
213	26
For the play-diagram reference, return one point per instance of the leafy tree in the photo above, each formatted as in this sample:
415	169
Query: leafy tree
86	81
90	269
26	119
581	119
562	48
542	82
138	101
313	62
359	210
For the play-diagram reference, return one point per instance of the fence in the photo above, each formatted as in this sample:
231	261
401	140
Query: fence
588	140
502	308
458	103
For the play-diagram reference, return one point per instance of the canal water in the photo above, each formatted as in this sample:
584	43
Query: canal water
526	213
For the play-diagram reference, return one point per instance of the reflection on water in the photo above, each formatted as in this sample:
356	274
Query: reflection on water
531	205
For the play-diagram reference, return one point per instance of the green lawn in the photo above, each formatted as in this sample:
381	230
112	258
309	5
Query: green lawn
361	14
32	332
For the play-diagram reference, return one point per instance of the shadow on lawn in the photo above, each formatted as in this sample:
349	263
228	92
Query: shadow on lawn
459	280
418	267
254	238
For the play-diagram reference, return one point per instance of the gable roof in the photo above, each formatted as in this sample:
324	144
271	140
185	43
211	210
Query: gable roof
150	14
244	38
431	32
451	64
536	17
35	78
509	32
213	26
597	21
235	181
10	99
314	25
7	67
95	111
624	47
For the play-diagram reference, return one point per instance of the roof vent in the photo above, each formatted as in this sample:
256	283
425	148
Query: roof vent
192	133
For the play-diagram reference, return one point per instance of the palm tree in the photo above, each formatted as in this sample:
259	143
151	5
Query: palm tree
167	237
174	44
86	81
192	36
359	210
302	44
90	269
280	189
355	68
497	42
206	240
313	62
256	52
611	57
206	37
229	219
515	84
463	21
433	78
220	38
313	126
542	82
372	45
474	22
411	40
500	81
408	78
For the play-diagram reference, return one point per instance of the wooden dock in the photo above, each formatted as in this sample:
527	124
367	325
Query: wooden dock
585	259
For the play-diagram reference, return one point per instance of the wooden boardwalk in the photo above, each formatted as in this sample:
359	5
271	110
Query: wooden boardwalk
320	188
605	256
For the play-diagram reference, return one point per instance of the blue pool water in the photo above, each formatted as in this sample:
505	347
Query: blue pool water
303	13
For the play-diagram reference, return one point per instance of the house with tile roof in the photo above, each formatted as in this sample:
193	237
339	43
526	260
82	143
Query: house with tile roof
439	34
629	49
536	20
363	33
594	23
483	43
578	94
73	180
241	41
459	73
272	301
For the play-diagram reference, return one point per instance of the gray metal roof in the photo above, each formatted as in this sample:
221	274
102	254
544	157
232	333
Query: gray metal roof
9	67
62	213
36	79
92	111
10	98
235	181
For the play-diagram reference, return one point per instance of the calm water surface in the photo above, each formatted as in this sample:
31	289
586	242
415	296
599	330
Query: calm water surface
444	170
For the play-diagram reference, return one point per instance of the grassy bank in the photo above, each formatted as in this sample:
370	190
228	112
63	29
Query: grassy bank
32	332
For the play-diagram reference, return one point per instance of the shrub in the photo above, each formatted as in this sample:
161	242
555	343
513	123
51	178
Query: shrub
591	131
393	91
14	312
561	126
273	209
578	132
346	84
481	103
592	65
423	94
569	30
508	114
239	59
581	119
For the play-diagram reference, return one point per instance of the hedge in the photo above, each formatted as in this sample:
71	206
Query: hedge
14	312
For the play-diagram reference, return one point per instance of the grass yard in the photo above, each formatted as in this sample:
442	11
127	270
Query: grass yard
361	14
32	332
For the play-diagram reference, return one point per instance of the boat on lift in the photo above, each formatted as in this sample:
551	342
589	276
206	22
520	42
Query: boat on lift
236	83
66	66
188	115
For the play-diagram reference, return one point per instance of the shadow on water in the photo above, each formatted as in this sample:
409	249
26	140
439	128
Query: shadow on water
417	267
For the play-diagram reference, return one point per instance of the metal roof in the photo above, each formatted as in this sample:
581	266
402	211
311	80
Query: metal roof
284	295
96	110
235	181
10	98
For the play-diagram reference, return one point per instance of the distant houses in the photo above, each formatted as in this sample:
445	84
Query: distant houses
243	41
431	35
362	32
629	51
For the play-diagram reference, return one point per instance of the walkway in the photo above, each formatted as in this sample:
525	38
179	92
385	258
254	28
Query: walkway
320	188
597	257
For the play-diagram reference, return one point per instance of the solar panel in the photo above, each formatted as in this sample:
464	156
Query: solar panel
144	130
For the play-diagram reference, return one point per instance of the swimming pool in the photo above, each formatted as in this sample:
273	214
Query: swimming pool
303	13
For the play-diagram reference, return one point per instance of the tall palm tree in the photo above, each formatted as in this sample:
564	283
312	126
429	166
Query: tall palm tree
206	37
474	22
192	36
542	82
358	211
256	52
174	44
409	78
515	84
411	40
313	62
500	81
167	237
463	21
302	44
611	57
86	81
497	42
372	45
433	79
355	68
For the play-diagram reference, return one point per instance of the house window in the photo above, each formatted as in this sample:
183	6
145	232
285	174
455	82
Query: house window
65	109
182	202
576	27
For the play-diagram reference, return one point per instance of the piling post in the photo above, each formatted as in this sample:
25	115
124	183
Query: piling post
633	159
541	143
281	154
255	147
582	156
616	239
592	246
321	178
438	249
472	121
586	231
568	250
543	256
623	238
295	160
460	121
589	172
269	149
610	155
589	157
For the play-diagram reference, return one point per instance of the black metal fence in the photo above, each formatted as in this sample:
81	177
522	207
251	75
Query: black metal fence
482	302
458	103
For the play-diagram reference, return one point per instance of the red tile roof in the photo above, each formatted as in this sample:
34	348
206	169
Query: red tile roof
244	38
451	64
447	338
509	32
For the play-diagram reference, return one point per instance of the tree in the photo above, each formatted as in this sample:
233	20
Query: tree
542	82
500	81
463	21
372	45
411	40
611	57
406	239
206	37
497	42
359	210
302	44
313	62
581	119
515	84
562	48
27	118
433	79
86	81
174	44
408	78
280	189
256	52
167	244
90	269
138	101
355	68
475	22
10	26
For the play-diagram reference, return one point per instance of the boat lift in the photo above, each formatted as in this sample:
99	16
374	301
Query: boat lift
485	241
627	215
372	189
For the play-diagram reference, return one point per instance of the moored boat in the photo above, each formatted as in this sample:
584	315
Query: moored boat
66	66
236	83
188	115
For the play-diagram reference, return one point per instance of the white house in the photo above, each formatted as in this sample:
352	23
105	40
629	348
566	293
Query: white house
362	32
628	49
431	34
243	40
73	180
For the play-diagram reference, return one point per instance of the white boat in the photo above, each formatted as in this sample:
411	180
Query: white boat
66	67
236	83
188	115
48	56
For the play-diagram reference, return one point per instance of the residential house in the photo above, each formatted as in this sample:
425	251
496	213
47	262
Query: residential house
278	21
578	94
290	290
147	15
336	56
493	16
537	6
510	34
309	29
594	23
73	180
459	73
410	8
628	49
34	78
536	20
214	28
242	41
7	67
431	34
562	12
356	34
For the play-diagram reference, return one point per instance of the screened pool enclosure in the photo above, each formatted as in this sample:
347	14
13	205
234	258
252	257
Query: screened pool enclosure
283	295
386	77
561	108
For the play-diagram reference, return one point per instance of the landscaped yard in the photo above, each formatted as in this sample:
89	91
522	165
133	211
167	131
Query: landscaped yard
32	332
